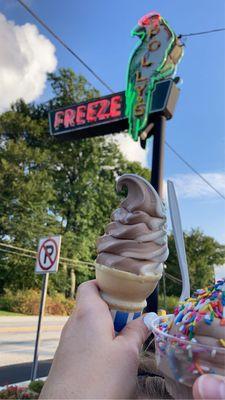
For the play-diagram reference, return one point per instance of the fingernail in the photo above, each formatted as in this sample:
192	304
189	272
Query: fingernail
211	387
148	319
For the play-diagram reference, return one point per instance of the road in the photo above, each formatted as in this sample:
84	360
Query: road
17	338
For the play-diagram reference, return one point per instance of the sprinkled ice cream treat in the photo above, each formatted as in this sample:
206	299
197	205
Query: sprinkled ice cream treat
192	341
133	249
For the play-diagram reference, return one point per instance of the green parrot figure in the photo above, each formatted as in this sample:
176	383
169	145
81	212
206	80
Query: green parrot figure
155	58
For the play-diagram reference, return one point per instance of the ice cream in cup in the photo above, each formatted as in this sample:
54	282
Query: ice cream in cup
191	342
132	251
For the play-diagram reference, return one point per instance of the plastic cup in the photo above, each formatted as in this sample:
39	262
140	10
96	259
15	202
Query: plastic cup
182	361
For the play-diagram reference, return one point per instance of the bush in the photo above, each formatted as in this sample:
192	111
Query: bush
171	303
59	305
15	392
28	301
36	386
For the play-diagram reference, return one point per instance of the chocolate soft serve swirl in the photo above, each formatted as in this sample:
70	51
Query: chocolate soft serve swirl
136	239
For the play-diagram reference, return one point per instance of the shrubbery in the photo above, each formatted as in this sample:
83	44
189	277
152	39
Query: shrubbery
28	301
15	392
36	386
171	303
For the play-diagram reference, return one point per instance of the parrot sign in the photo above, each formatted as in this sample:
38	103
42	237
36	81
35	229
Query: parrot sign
154	59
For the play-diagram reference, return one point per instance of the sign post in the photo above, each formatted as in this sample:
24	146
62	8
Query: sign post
157	183
41	313
47	262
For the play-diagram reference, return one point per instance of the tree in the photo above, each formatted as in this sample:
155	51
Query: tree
51	187
70	88
203	252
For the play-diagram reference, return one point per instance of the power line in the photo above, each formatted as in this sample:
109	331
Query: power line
17	254
173	278
24	251
194	170
110	89
201	33
34	252
169	276
34	15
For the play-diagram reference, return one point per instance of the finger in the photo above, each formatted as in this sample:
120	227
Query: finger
88	297
91	311
209	387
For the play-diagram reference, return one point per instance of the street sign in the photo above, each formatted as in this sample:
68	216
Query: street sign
47	262
106	115
48	255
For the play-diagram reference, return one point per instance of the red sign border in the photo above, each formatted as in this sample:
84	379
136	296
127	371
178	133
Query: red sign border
39	253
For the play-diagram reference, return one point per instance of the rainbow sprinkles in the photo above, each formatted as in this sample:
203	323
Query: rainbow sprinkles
206	304
184	347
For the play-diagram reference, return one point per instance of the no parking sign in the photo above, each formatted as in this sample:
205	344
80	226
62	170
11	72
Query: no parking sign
48	255
47	261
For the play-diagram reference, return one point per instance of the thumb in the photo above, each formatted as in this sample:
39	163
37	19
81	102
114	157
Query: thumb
137	331
209	387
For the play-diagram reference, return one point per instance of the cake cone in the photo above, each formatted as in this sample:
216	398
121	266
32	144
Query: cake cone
132	251
125	291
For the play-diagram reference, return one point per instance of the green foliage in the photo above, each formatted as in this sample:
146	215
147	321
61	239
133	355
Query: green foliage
49	187
135	167
84	274
171	303
36	386
28	301
70	88
203	252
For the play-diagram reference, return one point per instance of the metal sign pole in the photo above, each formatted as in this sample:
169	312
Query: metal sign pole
157	183
41	313
158	154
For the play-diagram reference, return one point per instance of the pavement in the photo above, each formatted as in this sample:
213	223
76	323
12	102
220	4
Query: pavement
17	341
21	373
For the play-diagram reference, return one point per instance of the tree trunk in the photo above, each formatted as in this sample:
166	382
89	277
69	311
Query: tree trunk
73	283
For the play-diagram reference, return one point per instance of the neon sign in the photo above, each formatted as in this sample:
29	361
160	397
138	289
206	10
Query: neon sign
96	111
106	115
153	60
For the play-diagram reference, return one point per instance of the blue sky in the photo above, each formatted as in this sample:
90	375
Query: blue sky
99	32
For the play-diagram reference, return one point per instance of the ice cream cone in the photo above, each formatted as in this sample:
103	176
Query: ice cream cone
125	291
132	250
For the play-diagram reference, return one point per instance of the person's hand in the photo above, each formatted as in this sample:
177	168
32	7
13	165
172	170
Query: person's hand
90	362
209	387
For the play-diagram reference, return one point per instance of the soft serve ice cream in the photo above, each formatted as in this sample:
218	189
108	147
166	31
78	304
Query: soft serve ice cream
136	240
132	250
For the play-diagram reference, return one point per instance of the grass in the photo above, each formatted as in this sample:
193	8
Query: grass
8	313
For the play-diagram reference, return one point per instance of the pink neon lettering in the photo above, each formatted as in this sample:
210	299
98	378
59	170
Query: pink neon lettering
115	109
69	118
104	106
81	115
58	120
92	111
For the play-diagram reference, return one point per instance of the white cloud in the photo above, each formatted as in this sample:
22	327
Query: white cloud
26	57
192	186
132	150
219	271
